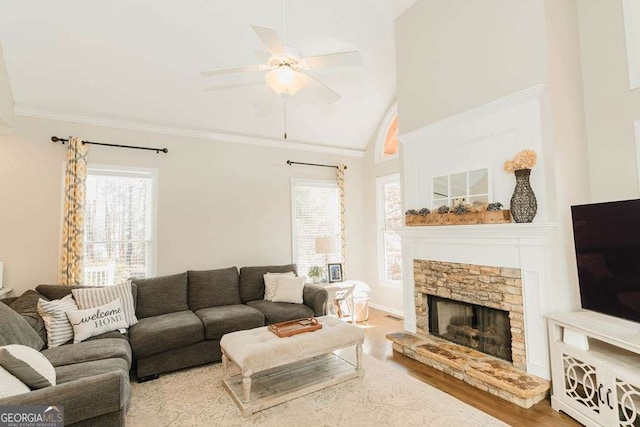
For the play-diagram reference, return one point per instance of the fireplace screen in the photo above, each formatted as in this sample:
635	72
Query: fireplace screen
481	328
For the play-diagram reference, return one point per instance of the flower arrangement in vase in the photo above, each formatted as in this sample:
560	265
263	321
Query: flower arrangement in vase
524	205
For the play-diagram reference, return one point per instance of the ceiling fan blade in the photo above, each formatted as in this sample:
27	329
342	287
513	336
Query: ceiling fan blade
340	59
263	56
231	70
322	91
232	86
270	39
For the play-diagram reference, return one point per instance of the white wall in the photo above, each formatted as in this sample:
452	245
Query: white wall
611	107
6	97
456	55
219	204
383	296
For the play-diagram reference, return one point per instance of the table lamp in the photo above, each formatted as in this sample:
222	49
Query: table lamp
326	245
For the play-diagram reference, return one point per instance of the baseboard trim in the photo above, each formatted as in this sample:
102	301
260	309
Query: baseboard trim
386	309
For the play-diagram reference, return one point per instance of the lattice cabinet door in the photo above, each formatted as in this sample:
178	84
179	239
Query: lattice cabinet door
585	385
627	399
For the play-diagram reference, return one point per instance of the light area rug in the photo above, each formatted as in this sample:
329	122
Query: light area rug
383	397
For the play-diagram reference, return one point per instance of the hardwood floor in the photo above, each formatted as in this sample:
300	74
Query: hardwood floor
380	324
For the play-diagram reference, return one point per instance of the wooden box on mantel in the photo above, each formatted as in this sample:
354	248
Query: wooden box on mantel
486	217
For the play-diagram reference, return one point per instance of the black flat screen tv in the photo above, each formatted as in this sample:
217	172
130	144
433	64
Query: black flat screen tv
607	243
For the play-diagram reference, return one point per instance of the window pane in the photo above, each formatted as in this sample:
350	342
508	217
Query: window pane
390	216
392	208
316	214
479	182
117	228
459	185
392	256
441	187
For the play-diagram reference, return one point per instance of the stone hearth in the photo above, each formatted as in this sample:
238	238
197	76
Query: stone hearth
477	369
494	287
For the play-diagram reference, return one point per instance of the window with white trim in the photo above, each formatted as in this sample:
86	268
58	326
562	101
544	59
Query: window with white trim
316	213
387	138
388	197
119	238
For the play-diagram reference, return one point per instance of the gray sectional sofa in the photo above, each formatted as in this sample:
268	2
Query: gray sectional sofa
181	319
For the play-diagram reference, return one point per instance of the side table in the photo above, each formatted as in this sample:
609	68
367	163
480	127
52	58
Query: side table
340	291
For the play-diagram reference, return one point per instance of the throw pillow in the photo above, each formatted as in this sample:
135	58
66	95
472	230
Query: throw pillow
271	283
28	365
10	385
27	306
95	297
59	330
290	289
14	329
97	320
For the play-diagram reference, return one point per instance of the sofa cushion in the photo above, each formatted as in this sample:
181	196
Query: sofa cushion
97	320
59	329
213	288
289	290
27	306
161	295
28	365
95	297
10	385
61	291
74	372
156	334
14	329
56	291
252	280
88	351
229	318
271	281
275	312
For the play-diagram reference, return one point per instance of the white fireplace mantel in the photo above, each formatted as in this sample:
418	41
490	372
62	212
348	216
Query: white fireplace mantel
521	246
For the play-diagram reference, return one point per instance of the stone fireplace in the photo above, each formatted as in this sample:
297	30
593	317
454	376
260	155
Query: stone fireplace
475	326
477	287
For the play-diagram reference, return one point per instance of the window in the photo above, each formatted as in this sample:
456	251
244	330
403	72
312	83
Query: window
315	214
387	143
119	240
389	217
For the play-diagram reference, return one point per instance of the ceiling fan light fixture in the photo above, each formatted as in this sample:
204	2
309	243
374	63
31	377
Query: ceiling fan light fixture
285	81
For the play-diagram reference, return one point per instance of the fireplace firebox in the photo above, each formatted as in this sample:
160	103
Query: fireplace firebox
482	328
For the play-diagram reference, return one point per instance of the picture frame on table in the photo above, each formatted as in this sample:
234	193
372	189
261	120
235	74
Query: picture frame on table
335	272
343	308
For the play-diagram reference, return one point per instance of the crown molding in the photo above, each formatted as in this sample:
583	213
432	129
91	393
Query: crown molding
221	136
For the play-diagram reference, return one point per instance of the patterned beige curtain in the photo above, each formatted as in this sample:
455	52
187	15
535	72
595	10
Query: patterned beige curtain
73	220
343	234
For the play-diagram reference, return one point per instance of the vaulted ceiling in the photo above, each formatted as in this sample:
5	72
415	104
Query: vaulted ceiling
139	61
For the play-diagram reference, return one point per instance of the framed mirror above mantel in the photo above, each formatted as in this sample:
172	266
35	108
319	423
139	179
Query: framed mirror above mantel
472	187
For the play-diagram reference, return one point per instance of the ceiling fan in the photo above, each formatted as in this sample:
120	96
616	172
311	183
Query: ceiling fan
286	70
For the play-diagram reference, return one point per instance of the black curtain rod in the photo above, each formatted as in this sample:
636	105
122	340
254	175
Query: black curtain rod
289	162
157	150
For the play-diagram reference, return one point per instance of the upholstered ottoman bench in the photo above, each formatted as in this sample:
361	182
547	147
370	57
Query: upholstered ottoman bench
273	370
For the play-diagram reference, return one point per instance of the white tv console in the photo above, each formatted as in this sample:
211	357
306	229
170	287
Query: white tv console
595	368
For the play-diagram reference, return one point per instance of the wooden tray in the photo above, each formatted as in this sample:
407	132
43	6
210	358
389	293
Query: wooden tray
293	327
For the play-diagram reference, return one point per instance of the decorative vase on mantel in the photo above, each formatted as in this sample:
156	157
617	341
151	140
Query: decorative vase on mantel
523	202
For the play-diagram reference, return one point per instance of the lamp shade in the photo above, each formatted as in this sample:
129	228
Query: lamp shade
326	245
285	81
